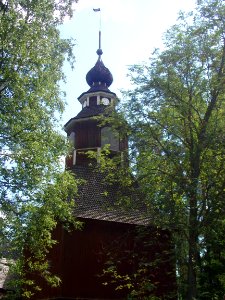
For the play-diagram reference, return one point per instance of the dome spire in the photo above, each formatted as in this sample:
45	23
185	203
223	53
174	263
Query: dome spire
99	51
99	76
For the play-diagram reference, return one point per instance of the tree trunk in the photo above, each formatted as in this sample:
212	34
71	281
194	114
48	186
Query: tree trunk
192	266
193	232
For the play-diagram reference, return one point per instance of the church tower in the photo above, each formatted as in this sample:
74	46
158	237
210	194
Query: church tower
84	130
81	256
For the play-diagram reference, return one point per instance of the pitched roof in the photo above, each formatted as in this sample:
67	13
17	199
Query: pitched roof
90	111
98	200
4	270
97	88
3	273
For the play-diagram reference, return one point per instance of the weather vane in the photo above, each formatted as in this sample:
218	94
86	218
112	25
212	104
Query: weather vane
99	51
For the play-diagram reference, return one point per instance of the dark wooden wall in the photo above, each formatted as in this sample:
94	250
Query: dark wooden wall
80	256
88	135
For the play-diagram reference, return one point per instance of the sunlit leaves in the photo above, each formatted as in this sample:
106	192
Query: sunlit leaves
176	118
35	192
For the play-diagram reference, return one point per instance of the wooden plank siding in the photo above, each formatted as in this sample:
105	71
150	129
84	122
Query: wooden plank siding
88	135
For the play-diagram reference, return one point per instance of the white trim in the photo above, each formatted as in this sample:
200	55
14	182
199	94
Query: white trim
98	154
98	100
74	156
99	93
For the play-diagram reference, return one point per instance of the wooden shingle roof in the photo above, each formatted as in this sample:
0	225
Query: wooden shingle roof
98	200
90	111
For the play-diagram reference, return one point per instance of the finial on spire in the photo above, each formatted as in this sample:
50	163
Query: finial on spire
99	51
99	77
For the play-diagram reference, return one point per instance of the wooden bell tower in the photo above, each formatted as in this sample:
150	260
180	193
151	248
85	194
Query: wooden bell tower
84	130
80	256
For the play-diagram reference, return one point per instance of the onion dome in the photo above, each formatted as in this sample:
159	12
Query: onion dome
99	74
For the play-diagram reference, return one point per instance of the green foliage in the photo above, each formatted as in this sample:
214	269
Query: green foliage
117	173
138	269
35	192
176	117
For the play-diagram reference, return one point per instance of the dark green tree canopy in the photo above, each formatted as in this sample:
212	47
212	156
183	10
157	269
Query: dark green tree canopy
176	116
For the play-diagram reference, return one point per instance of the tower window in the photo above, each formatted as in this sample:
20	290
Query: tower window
109	137
72	138
93	101
105	101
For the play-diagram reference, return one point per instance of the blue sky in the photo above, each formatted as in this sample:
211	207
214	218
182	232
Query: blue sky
131	30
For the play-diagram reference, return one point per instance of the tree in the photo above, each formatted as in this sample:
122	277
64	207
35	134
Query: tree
176	117
35	191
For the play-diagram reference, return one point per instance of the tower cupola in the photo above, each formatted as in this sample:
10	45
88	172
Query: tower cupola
84	130
99	75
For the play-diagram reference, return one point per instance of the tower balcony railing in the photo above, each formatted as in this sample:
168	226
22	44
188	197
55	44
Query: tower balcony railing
98	149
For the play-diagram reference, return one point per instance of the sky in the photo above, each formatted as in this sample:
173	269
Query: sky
130	31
